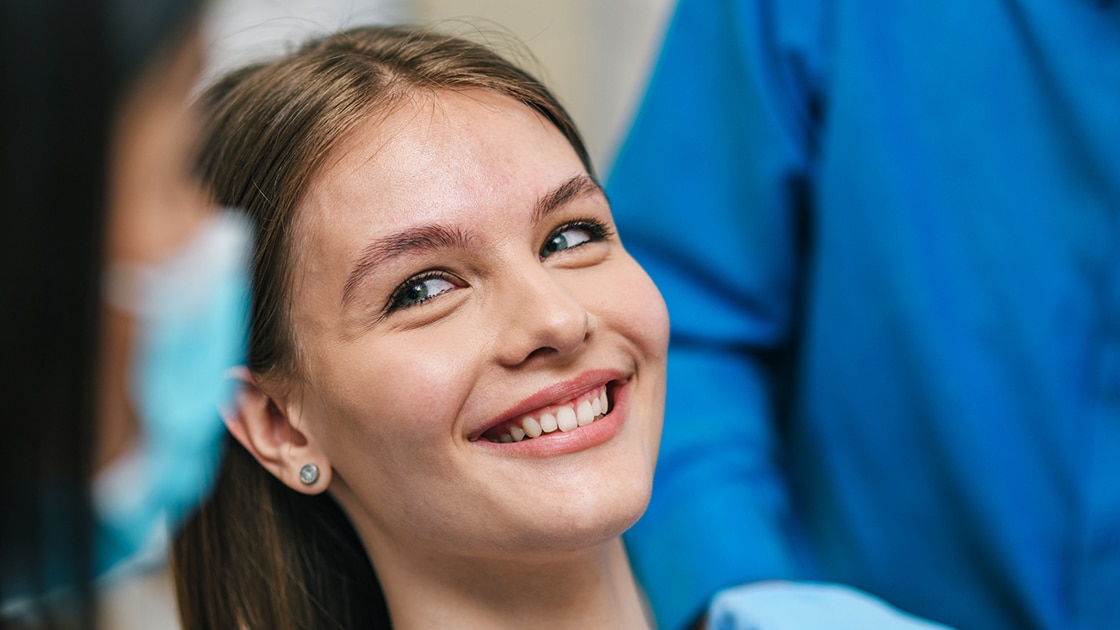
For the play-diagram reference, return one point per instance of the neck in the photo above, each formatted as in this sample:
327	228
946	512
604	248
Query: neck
590	588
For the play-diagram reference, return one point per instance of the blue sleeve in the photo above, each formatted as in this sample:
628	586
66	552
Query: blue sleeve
708	191
778	605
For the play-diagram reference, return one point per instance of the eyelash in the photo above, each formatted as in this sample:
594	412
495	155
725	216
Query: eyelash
598	230
395	300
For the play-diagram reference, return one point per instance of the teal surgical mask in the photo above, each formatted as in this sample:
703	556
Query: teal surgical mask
191	313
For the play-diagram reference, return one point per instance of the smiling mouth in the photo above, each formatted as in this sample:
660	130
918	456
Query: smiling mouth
578	412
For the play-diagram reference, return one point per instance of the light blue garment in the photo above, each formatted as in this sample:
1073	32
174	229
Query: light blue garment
805	606
888	233
192	321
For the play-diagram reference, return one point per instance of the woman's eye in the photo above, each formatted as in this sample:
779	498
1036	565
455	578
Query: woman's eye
419	290
570	236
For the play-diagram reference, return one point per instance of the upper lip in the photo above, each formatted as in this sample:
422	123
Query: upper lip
554	394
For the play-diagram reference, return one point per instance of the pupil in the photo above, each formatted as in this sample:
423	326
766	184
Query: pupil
558	243
417	293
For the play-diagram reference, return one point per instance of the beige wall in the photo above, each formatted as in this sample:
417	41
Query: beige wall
594	54
243	31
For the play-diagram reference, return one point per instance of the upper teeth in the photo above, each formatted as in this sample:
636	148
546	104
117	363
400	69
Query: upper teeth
576	413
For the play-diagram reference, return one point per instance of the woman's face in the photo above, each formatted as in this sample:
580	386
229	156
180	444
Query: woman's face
458	281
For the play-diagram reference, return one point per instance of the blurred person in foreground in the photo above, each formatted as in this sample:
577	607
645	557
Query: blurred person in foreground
124	297
888	234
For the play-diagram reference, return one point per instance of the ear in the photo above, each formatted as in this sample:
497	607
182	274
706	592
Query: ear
267	428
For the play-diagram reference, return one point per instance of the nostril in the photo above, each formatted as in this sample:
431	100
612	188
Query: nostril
547	322
541	353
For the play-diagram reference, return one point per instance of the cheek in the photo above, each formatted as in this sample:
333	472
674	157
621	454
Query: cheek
639	311
645	323
631	308
384	405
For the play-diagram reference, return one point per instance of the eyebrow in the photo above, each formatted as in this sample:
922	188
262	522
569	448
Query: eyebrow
432	237
574	188
420	239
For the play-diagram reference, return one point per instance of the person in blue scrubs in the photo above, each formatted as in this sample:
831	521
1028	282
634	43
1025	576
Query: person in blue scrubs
888	234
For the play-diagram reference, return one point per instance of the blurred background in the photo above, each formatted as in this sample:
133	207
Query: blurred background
595	55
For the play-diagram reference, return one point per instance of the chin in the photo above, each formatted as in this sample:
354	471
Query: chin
589	517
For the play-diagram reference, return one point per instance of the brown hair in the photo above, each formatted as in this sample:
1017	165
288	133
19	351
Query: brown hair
258	554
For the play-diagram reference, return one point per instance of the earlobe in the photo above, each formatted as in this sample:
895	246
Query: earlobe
267	429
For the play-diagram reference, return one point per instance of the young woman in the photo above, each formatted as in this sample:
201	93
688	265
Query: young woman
453	398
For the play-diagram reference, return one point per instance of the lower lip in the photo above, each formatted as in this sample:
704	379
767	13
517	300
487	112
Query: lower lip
578	439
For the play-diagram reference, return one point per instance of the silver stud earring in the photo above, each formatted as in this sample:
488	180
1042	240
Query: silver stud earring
309	474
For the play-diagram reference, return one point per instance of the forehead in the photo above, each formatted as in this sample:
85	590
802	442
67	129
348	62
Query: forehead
440	157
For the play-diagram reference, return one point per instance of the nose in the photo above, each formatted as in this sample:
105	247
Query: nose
543	318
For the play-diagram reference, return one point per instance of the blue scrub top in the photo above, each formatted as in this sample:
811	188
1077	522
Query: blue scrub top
888	233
